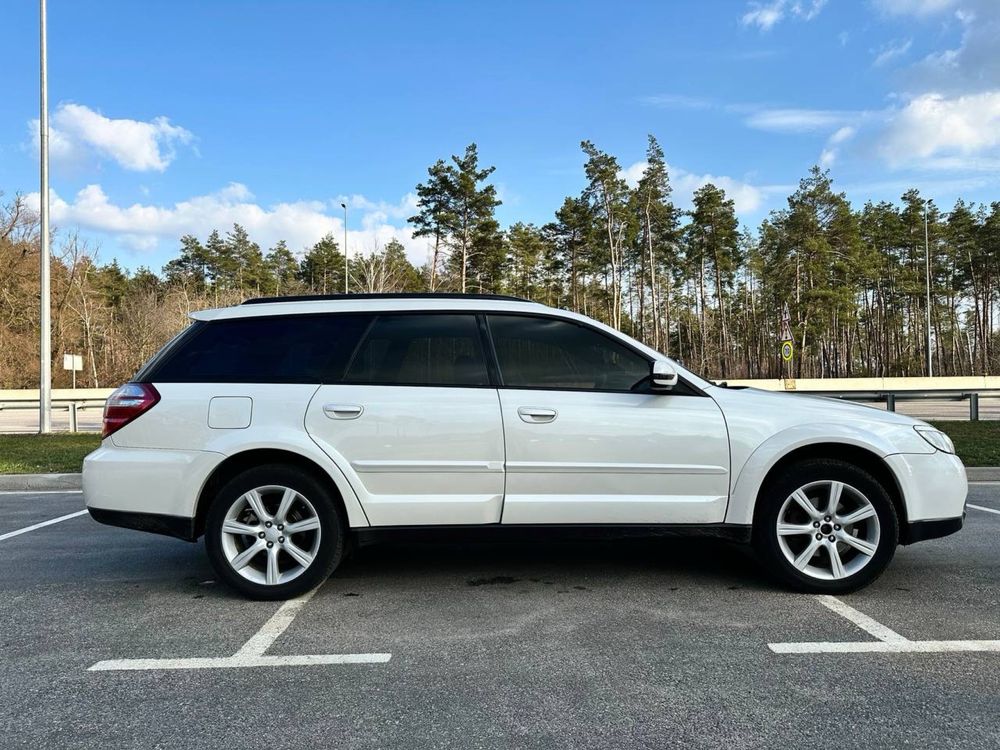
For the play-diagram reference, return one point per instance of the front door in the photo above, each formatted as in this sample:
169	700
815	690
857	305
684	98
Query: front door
415	424
586	440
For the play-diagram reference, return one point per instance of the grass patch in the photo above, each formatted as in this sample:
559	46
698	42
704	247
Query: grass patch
45	454
976	443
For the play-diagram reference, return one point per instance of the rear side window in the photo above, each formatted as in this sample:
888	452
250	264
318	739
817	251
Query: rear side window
279	349
442	350
535	352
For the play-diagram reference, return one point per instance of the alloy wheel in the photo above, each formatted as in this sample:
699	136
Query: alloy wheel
828	530
271	535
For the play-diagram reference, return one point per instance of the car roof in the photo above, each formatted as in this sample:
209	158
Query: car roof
369	303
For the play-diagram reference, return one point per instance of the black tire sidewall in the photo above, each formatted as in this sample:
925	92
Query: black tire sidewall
778	489
332	535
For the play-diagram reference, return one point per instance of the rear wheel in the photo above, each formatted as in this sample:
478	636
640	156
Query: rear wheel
825	526
274	532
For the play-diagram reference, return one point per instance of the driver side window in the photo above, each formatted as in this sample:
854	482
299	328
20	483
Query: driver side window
537	352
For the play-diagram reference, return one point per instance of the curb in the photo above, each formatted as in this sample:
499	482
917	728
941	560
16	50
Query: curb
40	482
983	473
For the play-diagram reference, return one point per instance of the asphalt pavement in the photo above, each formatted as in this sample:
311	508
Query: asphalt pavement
521	644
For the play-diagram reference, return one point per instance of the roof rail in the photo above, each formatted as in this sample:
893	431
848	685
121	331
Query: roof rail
381	295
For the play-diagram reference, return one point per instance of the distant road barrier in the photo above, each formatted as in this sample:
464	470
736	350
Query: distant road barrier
66	399
888	390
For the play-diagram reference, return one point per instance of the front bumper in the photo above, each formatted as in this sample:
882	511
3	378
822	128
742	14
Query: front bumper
933	487
921	531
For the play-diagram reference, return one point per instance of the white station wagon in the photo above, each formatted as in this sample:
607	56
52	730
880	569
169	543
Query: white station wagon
284	429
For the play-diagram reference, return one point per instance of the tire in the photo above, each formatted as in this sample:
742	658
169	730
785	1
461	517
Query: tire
806	552
285	564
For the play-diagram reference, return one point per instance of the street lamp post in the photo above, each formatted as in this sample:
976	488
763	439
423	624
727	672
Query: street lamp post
346	268
45	332
927	259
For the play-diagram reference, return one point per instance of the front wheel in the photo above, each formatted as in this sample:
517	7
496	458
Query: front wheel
274	532
825	526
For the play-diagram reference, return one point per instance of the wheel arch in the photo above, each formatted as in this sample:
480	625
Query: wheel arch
239	462
779	452
863	458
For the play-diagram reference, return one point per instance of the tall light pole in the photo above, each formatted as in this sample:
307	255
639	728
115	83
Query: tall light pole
344	206
45	333
927	258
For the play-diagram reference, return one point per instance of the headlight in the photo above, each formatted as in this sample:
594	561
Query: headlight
936	438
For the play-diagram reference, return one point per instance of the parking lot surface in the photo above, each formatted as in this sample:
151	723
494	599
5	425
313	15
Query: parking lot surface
570	644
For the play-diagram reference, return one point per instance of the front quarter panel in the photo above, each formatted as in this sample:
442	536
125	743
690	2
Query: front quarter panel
765	427
751	476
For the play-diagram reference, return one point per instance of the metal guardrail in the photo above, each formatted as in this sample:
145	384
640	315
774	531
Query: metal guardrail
889	398
73	406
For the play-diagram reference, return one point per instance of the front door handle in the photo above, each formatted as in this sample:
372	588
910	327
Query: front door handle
533	415
343	411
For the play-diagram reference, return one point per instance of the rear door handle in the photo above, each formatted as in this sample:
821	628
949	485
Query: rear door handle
533	415
343	411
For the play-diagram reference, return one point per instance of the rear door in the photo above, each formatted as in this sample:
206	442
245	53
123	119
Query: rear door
415	422
587	442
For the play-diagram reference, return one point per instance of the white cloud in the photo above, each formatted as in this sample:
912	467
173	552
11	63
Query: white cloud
832	150
747	198
766	15
76	130
891	50
932	125
799	120
914	7
143	227
677	101
973	64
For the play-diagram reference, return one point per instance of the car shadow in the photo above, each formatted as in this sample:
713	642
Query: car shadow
703	562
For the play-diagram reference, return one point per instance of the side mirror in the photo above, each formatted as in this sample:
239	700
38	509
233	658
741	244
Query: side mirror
663	376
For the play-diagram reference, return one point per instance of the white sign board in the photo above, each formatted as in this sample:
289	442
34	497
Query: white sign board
73	362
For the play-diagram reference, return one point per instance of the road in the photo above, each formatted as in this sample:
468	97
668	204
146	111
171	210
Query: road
575	644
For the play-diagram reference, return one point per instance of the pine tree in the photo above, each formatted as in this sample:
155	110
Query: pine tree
322	267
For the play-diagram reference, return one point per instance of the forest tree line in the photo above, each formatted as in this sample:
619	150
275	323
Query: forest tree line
692	283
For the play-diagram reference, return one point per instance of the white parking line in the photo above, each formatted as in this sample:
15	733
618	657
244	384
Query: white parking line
26	529
980	507
863	621
889	641
235	662
251	654
41	492
264	638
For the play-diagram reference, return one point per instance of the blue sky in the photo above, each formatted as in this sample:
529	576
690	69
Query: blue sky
175	117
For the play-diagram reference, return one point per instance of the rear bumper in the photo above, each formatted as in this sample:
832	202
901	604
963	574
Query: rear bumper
144	482
921	531
156	523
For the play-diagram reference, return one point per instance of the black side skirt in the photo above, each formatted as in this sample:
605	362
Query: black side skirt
157	523
539	532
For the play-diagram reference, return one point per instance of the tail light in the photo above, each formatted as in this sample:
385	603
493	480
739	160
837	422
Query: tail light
127	403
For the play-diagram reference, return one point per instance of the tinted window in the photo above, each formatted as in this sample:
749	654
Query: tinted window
279	349
421	350
550	353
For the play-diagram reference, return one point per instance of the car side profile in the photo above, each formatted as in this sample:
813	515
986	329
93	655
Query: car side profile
283	430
